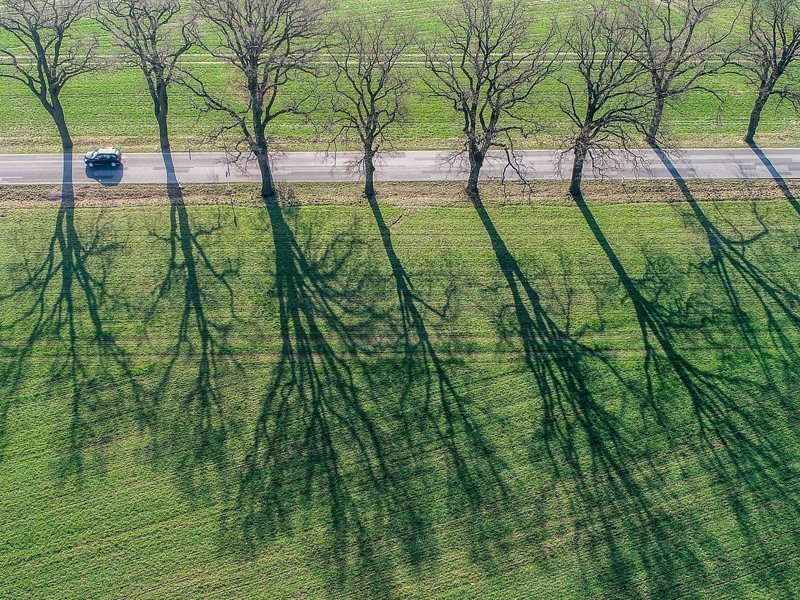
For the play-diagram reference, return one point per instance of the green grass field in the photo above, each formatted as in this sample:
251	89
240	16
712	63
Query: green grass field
449	401
113	106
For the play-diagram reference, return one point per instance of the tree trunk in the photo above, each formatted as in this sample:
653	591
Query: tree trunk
267	184
258	143
57	113
476	158
581	150
161	106
755	115
369	171
655	122
163	133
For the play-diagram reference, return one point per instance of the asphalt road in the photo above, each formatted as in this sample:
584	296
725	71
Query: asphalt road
207	167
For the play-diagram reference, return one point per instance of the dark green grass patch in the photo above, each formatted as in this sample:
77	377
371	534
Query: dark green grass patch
376	400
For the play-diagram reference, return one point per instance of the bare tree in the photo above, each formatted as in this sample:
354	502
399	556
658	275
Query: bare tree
370	91
486	66
154	34
269	43
50	52
608	101
681	50
772	45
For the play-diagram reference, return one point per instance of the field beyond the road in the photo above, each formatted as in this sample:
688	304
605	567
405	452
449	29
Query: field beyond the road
425	399
113	107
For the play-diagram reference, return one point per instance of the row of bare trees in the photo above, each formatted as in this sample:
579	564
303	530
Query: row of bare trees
627	60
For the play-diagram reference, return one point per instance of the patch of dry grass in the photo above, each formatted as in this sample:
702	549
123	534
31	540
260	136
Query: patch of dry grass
404	194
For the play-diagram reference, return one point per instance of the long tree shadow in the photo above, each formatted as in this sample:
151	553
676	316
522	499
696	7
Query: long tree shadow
728	408
610	480
773	171
57	298
201	342
443	408
555	359
732	267
778	302
323	447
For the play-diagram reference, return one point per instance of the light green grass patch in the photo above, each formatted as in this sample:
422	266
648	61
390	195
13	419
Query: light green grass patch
113	106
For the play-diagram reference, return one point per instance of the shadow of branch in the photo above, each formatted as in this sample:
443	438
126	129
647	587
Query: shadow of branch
323	448
63	297
733	268
478	487
584	443
196	430
739	444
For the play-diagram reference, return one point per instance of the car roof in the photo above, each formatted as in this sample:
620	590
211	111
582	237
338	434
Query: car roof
107	151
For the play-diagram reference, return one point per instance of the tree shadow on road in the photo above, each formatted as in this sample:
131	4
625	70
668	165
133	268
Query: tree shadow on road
773	171
195	431
64	297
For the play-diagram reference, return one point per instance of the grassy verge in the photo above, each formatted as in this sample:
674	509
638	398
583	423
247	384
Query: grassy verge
206	396
114	107
407	194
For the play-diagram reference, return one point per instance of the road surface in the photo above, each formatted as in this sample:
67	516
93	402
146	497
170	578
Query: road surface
208	167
